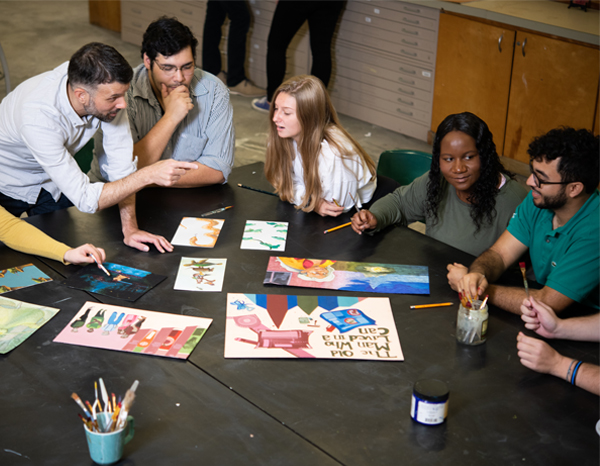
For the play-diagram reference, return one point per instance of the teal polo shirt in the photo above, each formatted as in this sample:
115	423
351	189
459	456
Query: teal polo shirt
566	259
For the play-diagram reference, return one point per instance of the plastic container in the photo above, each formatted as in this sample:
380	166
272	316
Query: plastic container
429	403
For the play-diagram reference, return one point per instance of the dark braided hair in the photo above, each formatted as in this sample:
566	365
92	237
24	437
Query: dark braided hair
485	189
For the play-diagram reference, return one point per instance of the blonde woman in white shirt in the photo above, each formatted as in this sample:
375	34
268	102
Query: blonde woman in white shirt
311	160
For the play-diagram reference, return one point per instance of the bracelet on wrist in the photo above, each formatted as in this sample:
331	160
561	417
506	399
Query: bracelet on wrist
568	378
575	372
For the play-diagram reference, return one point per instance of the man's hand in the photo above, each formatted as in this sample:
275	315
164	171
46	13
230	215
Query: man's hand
176	102
363	220
83	255
135	238
167	172
458	276
540	318
325	209
538	355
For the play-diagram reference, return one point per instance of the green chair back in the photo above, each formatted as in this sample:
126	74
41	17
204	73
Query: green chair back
403	165
85	155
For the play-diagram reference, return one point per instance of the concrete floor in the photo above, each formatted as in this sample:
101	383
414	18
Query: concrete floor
39	35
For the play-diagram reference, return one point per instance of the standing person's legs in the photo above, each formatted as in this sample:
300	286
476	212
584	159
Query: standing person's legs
211	38
321	24
239	18
44	203
288	18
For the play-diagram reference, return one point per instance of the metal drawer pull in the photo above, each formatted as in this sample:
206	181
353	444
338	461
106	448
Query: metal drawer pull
399	110
407	71
412	10
411	21
414	33
406	92
407	42
367	19
136	11
137	25
187	12
376	11
406	81
523	46
500	43
405	102
408	53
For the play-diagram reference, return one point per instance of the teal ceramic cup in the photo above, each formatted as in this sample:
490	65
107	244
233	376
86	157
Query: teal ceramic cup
107	448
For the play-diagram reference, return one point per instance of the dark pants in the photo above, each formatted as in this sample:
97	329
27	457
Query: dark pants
289	16
239	17
45	203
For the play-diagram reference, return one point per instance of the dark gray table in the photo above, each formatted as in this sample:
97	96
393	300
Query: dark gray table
297	411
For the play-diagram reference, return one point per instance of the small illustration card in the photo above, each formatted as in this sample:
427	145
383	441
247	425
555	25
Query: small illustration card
324	327
22	276
134	330
19	320
198	232
124	282
200	274
269	236
347	276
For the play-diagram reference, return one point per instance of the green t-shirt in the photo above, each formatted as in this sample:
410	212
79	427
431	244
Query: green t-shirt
454	225
565	259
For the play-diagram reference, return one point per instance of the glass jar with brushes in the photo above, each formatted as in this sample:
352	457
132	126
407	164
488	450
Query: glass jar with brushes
472	322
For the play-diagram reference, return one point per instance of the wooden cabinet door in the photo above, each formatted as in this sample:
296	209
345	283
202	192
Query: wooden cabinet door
473	72
554	83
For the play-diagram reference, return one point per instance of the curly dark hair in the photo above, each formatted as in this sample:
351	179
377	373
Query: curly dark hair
485	189
578	151
95	64
167	36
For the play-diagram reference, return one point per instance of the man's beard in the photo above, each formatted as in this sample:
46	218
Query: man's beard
554	202
91	109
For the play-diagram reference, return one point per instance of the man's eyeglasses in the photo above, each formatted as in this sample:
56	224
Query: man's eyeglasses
539	183
170	70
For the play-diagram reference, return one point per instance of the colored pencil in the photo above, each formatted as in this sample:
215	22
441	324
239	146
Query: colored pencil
257	190
216	211
523	271
424	306
100	265
337	228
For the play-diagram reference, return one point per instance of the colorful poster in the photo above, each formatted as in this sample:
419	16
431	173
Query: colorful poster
123	283
134	330
325	327
198	232
269	236
200	274
19	320
22	276
347	276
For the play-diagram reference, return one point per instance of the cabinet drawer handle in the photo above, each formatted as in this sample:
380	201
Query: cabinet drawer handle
407	42
523	46
136	11
408	53
399	110
500	43
406	92
406	81
406	102
367	19
137	25
407	71
187	12
407	31
376	11
412	10
412	21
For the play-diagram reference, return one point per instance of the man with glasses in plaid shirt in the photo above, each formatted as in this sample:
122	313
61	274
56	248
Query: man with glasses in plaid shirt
177	111
558	222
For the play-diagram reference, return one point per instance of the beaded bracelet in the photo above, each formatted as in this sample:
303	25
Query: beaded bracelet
568	379
575	372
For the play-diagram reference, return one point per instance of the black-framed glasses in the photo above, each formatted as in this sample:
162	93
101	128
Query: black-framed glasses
539	183
170	70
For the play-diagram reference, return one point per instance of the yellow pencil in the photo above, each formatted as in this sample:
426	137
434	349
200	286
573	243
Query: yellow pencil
423	306
337	228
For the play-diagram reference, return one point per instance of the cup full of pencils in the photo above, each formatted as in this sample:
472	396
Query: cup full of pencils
108	425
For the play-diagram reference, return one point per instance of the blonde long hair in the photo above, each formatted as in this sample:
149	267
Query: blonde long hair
319	121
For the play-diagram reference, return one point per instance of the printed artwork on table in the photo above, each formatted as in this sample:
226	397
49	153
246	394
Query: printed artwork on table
21	276
19	320
347	276
200	274
325	327
198	232
124	282
134	330
270	236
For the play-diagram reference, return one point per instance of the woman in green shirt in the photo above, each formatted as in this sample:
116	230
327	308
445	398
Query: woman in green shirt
466	199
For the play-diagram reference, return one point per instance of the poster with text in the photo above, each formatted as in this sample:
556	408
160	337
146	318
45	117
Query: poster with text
134	330
324	327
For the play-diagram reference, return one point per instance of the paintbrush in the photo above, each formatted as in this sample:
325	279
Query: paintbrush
482	305
523	270
126	405
81	405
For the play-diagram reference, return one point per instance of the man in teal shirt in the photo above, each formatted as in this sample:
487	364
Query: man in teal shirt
558	222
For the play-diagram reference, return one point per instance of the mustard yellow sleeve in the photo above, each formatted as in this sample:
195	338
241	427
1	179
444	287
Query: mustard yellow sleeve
22	236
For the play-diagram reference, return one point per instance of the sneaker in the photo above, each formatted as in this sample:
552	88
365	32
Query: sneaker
223	77
261	105
247	89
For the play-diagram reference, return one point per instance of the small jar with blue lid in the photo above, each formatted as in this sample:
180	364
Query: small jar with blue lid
429	404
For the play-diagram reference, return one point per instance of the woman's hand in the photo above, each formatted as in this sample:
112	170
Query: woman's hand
330	209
